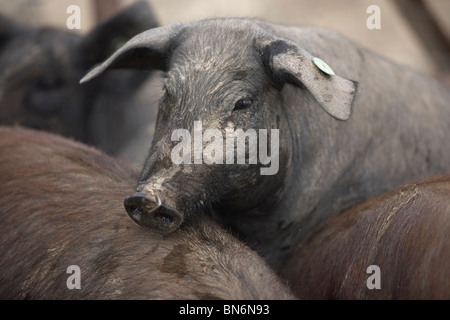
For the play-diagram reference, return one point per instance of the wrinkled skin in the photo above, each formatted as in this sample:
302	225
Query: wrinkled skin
342	138
40	70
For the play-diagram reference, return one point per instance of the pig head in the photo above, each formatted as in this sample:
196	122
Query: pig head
324	129
40	70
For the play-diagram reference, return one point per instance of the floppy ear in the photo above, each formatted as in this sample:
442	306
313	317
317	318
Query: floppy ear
148	50
286	61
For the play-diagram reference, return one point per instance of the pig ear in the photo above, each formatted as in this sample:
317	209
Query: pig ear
288	62
112	33
148	50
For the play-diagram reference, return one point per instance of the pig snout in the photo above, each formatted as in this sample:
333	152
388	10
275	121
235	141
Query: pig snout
150	213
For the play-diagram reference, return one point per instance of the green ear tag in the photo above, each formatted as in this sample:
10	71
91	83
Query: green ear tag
323	66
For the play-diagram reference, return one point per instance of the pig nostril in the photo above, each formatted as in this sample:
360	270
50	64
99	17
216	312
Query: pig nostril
149	213
166	219
134	205
163	218
136	213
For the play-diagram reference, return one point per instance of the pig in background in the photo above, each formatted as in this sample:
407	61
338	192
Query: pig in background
40	70
405	233
79	220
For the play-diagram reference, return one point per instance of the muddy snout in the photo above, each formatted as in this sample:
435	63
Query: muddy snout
151	213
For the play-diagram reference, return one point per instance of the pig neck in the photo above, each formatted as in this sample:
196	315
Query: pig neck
337	164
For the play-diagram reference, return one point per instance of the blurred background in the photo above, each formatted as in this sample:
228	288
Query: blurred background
413	32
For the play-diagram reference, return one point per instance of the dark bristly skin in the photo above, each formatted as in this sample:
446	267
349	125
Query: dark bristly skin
404	232
343	138
61	205
40	70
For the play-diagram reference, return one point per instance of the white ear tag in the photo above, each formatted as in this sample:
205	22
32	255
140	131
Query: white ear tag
323	66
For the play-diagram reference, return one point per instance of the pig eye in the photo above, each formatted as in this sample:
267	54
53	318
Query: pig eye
242	104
